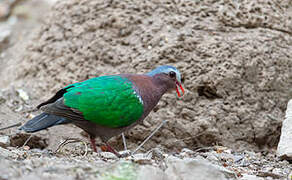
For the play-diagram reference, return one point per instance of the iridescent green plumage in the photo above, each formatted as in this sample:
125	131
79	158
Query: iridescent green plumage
106	106
109	101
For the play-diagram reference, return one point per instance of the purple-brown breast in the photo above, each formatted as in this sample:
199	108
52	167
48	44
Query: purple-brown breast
149	91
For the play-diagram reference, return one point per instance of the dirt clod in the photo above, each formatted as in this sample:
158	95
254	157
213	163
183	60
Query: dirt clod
19	140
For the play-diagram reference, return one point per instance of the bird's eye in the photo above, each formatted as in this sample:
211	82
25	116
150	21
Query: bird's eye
172	74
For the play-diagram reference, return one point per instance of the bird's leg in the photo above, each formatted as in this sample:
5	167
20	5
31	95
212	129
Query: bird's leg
93	145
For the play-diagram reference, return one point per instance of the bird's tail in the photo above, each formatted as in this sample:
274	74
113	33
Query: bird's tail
43	121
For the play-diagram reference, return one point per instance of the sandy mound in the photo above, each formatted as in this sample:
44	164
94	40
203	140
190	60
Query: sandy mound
235	60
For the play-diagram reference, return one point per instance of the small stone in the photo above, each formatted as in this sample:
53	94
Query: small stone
156	153
186	150
284	150
289	177
4	10
125	153
244	163
26	148
30	116
220	149
212	157
22	94
142	158
4	35
166	39
4	141
267	174
5	152
267	169
238	158
196	168
277	171
226	157
108	155
228	151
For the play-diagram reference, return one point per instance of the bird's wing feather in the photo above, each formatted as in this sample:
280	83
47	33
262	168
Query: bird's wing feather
57	96
109	101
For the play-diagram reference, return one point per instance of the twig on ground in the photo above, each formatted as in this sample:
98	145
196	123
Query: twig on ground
161	124
27	140
204	149
72	140
11	126
124	142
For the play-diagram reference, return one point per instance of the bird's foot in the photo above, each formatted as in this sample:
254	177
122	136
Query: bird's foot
103	148
93	145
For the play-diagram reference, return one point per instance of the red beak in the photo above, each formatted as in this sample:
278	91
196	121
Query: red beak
177	90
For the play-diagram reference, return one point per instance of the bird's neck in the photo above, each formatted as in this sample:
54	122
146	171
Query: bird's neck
149	88
151	94
160	85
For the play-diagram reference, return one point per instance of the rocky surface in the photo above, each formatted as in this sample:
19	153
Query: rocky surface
284	147
218	163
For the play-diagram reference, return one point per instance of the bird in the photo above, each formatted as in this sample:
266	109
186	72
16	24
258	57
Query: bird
107	106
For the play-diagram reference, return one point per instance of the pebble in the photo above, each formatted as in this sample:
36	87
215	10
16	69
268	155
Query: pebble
212	157
141	158
125	153
108	155
22	94
4	9
196	168
26	148
284	150
5	152
4	141
4	35
156	153
186	152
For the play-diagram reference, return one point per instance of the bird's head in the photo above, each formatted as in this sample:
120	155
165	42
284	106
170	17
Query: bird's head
170	76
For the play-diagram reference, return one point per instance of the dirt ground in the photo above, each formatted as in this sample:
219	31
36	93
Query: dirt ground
235	59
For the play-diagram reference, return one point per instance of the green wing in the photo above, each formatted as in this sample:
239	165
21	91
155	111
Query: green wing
110	101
